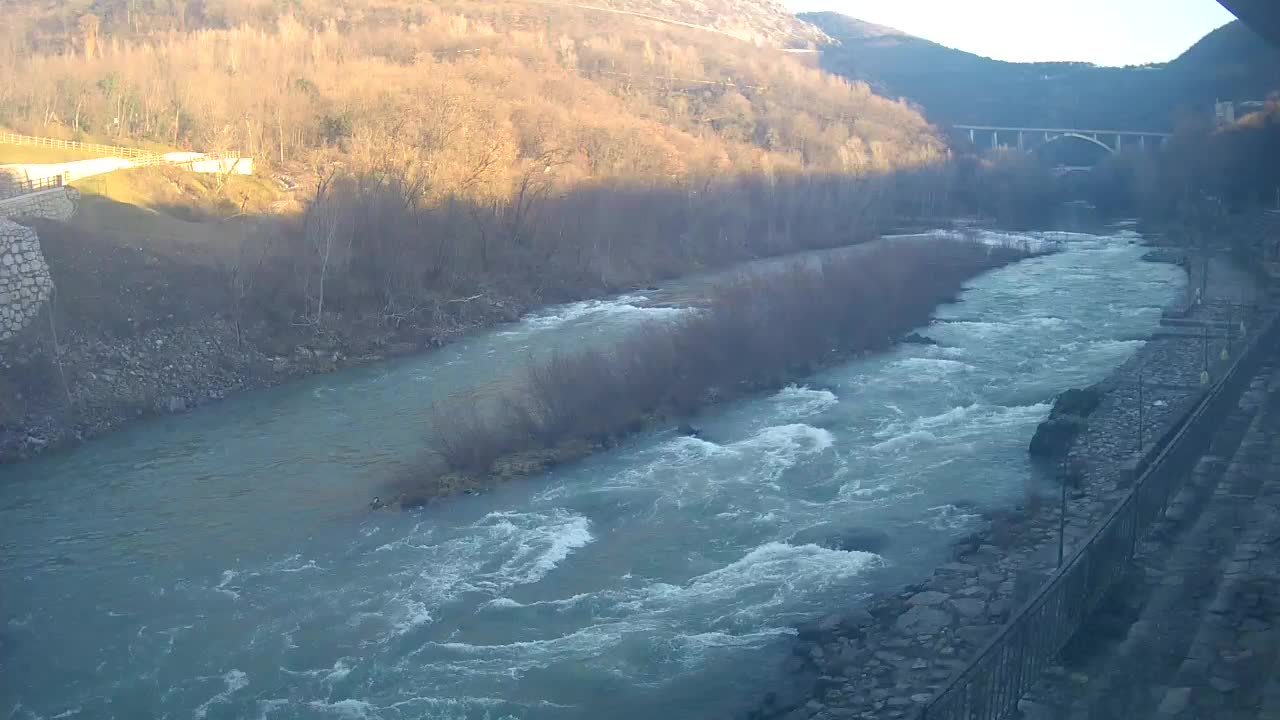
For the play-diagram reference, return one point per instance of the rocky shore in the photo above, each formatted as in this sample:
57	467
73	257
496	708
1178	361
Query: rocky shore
891	656
105	380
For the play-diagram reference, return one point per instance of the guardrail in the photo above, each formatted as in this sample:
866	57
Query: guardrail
991	685
108	150
11	188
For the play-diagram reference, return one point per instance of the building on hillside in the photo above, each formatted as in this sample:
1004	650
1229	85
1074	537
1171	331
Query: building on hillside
1227	112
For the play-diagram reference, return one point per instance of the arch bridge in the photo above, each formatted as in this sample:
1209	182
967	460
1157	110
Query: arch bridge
1029	139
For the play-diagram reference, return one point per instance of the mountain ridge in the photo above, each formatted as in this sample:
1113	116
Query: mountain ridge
958	87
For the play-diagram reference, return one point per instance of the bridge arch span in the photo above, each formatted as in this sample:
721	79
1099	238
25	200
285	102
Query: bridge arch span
1075	136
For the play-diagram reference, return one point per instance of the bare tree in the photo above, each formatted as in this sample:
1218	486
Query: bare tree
320	230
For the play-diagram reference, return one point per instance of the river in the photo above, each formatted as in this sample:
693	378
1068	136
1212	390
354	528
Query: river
221	564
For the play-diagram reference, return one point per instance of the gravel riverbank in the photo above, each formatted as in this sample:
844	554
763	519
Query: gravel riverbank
105	380
889	657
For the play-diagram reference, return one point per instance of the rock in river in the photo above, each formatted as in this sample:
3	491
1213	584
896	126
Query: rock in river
1054	436
847	539
918	339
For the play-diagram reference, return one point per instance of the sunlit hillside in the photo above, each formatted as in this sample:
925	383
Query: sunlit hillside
479	88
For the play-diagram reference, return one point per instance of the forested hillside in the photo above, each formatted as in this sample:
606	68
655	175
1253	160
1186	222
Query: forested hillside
507	82
455	164
952	86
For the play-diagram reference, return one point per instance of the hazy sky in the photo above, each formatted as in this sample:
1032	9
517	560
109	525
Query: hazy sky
1106	32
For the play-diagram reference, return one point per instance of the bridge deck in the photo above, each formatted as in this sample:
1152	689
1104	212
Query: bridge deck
993	128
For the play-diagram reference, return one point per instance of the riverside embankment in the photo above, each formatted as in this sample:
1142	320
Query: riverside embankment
888	657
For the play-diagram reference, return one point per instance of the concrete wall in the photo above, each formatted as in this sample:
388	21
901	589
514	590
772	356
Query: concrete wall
56	204
25	283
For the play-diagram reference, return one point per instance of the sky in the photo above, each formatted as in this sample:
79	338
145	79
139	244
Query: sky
1105	32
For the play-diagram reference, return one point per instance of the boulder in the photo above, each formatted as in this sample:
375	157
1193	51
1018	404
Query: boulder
922	620
1054	437
833	537
970	608
689	430
918	339
1076	403
837	623
928	598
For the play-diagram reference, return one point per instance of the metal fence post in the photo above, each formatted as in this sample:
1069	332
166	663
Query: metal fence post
1062	514
1140	409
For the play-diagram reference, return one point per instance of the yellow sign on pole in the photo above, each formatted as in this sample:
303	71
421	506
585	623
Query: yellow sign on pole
1204	377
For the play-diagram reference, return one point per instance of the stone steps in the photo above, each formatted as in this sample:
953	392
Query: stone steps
1122	666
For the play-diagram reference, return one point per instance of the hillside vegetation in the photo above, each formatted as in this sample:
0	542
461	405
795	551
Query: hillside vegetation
483	115
957	87
1205	175
426	168
541	75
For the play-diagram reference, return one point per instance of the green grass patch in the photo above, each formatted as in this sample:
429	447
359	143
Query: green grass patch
183	194
170	211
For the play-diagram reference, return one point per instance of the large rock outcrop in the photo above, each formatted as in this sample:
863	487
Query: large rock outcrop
1054	436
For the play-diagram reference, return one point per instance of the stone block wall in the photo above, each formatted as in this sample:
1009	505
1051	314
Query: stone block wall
56	204
25	283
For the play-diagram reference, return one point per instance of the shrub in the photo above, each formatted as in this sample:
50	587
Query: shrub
758	331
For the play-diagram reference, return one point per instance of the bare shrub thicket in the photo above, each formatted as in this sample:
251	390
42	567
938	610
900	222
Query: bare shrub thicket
758	331
365	253
1202	171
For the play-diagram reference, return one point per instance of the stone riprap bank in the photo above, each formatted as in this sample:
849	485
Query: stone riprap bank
25	283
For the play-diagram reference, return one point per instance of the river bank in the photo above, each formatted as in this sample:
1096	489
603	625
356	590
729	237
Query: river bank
890	656
136	335
141	336
106	380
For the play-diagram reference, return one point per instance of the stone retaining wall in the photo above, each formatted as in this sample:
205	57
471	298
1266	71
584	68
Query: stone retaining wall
25	283
56	204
